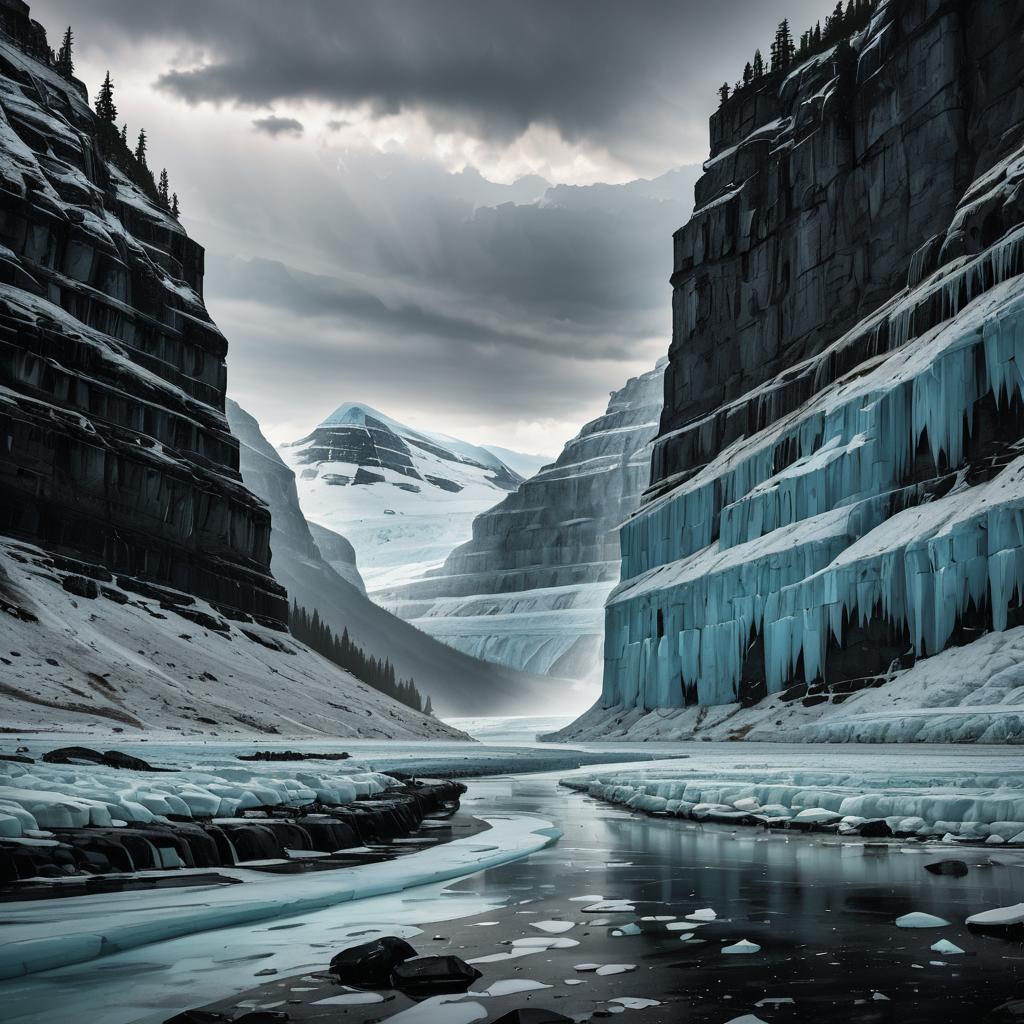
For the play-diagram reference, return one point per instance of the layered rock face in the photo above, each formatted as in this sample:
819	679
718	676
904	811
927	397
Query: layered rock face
836	489
529	589
116	448
403	497
317	567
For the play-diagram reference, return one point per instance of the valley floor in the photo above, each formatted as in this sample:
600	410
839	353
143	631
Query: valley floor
573	904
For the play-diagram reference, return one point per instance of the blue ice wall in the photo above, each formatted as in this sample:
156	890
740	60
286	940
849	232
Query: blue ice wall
747	548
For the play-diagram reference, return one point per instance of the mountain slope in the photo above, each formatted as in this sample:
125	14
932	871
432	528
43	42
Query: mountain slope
529	589
456	683
837	488
404	498
135	588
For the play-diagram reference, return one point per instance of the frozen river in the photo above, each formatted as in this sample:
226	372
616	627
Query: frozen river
653	902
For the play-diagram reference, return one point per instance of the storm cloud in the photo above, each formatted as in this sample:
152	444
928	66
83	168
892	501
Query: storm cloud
274	126
457	211
618	74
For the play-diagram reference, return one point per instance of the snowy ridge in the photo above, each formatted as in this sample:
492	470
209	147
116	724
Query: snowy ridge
528	590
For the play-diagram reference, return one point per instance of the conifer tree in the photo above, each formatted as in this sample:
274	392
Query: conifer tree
783	48
65	65
124	134
106	111
723	93
428	707
140	147
164	190
758	64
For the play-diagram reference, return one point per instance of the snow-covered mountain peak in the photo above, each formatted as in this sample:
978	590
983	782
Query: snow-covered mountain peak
404	497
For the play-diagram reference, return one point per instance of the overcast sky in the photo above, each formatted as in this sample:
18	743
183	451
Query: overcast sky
457	211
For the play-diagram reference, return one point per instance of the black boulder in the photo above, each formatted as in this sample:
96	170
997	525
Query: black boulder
370	965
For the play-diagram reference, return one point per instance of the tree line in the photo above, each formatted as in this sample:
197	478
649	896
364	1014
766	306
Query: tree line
784	52
133	162
380	674
113	141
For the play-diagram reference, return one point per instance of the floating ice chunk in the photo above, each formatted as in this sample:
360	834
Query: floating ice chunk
880	997
747	1018
945	946
659	917
746	803
627	929
510	987
776	1001
585	899
707	914
553	927
450	1009
919	920
686	936
999	917
634	1002
743	946
608	969
586	967
573	981
349	999
611	907
540	942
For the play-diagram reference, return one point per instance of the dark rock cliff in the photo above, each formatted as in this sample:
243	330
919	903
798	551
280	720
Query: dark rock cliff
837	486
115	446
820	188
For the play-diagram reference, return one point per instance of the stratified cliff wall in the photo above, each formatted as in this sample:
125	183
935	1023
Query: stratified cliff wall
529	589
837	488
115	447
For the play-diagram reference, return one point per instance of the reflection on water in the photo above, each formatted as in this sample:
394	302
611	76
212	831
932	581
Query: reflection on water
822	910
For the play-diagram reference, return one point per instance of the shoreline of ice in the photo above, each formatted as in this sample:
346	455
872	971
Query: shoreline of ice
95	926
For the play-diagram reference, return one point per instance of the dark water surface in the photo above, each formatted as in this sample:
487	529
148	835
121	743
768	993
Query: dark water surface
821	909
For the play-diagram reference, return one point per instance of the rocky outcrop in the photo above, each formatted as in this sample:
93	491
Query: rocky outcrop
402	497
116	448
457	684
836	488
529	589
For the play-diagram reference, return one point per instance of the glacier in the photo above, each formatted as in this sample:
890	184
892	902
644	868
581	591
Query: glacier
528	590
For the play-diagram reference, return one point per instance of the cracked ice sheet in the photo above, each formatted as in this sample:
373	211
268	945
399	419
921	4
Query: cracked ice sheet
223	948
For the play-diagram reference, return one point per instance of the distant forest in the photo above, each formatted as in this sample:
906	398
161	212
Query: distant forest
784	52
343	652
